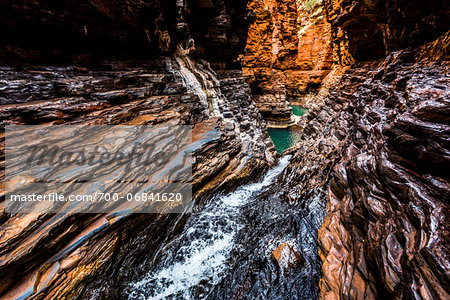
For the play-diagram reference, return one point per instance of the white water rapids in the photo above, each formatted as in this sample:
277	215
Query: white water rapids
199	254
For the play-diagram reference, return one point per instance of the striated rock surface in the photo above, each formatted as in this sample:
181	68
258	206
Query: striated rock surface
364	198
195	82
380	142
289	52
386	230
75	255
88	31
376	151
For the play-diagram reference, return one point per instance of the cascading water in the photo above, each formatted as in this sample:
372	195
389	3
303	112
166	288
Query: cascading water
197	259
202	82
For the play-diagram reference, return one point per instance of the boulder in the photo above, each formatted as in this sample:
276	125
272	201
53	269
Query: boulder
287	257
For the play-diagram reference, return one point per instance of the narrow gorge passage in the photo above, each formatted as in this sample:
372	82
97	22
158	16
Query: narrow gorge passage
192	264
315	163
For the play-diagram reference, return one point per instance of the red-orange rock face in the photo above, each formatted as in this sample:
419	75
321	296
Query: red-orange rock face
289	52
385	235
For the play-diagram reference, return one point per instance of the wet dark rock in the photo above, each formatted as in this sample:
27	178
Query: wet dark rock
380	169
382	156
271	219
60	95
95	256
365	198
109	245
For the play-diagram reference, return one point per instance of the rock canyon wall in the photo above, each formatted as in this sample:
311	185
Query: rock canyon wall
121	62
377	150
93	30
294	44
363	205
385	233
376	28
375	146
290	51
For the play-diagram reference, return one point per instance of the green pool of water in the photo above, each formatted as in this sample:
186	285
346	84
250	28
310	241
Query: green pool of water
298	110
283	138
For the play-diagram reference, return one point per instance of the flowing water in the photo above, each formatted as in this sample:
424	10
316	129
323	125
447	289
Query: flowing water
202	82
198	259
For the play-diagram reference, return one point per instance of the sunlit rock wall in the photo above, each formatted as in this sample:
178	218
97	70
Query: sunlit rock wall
289	53
385	233
375	149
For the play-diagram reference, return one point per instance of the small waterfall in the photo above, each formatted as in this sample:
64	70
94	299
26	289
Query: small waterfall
197	259
202	81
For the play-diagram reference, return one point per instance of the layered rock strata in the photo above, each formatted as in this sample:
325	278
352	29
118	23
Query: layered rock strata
385	234
96	255
376	151
375	144
289	53
88	31
59	256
